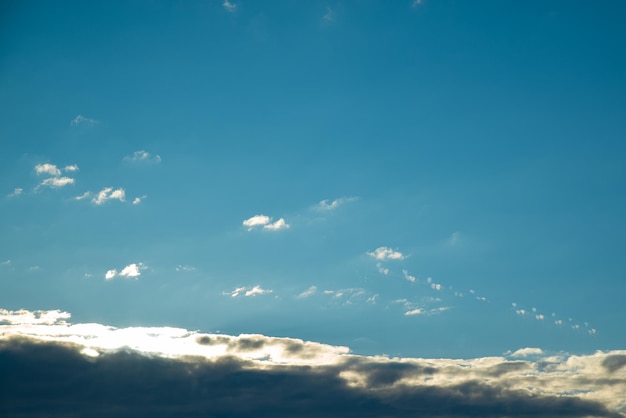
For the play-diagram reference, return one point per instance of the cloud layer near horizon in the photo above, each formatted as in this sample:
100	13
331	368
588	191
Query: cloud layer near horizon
98	370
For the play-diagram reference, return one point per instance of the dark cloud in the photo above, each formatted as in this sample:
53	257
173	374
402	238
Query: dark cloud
614	362
55	380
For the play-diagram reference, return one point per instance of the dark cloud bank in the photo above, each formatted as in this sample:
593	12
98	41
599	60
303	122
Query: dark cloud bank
52	379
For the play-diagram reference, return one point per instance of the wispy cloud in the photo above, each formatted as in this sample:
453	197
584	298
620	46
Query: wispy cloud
417	3
185	268
265	222
329	16
130	271
229	7
71	168
108	193
328	205
83	121
83	196
247	291
408	277
386	253
309	292
143	156
16	192
382	270
138	200
57	182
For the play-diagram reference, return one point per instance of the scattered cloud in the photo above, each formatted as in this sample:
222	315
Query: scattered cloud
265	222
423	311
138	200
327	205
16	192
408	277
143	156
382	270
83	121
108	193
185	268
417	3
83	196
6	263
309	292
49	169
130	271
229	7
215	373
416	311
385	253
71	168
247	291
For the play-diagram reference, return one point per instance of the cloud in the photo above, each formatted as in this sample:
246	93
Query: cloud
247	291
408	277
138	200
6	263
108	193
57	182
130	271
528	351
265	222
416	311
143	156
94	369
309	292
329	16
278	225
16	192
385	253
382	270
229	7
83	196
181	267
328	205
423	311
71	168
417	3
83	121
49	169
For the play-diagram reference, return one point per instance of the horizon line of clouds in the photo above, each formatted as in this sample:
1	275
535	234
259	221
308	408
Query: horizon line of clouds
521	383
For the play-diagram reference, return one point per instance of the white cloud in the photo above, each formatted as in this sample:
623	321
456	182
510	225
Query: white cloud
385	253
247	291
408	277
71	168
24	317
265	222
143	156
83	196
138	200
181	267
382	270
57	182
256	220
528	351
417	3
309	292
416	311
130	271
49	169
278	225
328	205
83	121
228	6
16	192
107	194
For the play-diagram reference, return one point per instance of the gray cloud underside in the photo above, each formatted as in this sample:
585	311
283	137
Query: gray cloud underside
54	379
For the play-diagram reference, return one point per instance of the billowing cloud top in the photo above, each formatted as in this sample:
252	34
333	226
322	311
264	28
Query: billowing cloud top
89	369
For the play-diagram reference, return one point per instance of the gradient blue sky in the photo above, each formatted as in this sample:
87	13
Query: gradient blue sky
479	145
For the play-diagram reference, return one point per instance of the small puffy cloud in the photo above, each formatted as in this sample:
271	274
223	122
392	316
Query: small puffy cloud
57	182
143	156
247	291
83	121
309	292
229	7
528	351
71	168
278	225
130	271
408	277
138	200
328	205
83	196
416	311
265	222
108	193
16	192
386	253
49	169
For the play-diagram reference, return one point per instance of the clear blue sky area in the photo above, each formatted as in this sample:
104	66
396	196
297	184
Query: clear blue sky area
416	178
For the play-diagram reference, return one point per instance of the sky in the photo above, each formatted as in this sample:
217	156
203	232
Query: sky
429	179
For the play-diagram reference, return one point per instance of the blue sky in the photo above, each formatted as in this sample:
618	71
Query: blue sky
470	157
